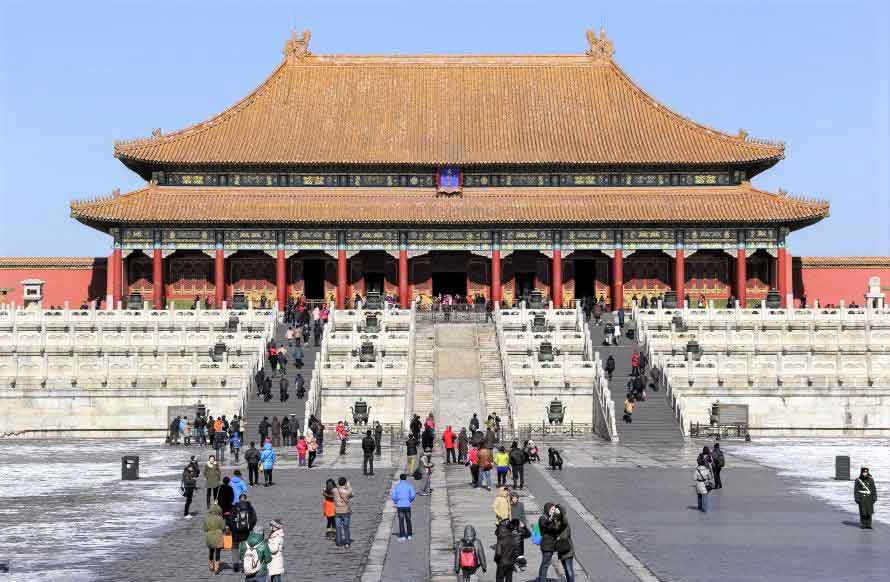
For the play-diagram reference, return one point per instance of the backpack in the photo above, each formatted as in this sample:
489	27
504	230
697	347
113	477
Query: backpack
242	519
468	557
719	461
251	561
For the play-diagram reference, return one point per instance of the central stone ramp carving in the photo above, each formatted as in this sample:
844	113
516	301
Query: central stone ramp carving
458	379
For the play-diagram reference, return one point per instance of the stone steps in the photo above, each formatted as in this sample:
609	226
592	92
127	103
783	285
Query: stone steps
424	369
256	408
492	374
653	421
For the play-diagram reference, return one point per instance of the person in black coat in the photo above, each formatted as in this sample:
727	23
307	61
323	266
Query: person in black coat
369	445
225	497
556	537
427	439
865	493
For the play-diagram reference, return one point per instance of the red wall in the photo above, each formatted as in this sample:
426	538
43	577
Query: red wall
75	285
79	284
830	285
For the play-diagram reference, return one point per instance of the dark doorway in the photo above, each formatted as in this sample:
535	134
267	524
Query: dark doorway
450	284
525	284
585	278
373	283
313	278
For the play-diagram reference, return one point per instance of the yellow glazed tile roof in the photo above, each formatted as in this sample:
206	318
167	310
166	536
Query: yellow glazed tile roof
438	109
423	206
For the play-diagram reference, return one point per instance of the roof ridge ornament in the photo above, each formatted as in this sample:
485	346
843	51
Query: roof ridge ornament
601	49
297	46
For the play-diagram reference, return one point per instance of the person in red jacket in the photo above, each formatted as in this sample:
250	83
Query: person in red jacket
448	437
635	364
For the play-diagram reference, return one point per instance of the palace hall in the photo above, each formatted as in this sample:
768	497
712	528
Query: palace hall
471	175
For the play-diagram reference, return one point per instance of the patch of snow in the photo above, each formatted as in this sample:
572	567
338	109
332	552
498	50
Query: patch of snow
811	463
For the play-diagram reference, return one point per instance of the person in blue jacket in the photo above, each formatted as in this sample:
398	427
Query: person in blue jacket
267	458
237	484
403	495
235	446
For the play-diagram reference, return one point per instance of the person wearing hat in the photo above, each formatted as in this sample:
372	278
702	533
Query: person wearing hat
276	548
866	495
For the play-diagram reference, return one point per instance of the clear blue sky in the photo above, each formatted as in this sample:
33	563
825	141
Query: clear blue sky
75	76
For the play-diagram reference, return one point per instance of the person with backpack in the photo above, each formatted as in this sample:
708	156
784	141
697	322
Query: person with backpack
369	445
267	458
518	459
252	457
474	424
255	555
242	522
187	487
343	512
469	555
213	477
718	461
463	446
865	494
403	495
276	551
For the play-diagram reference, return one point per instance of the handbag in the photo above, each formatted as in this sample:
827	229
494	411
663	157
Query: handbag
536	535
227	539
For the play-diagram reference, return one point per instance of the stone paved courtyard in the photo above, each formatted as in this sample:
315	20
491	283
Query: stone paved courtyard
632	513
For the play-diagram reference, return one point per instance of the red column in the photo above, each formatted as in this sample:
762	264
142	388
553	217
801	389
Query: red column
280	279
496	275
680	277
109	278
117	262
341	278
556	284
617	280
404	296
219	269
789	275
781	267
158	279
741	278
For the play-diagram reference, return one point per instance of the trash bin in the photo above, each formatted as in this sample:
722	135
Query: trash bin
842	468
129	468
